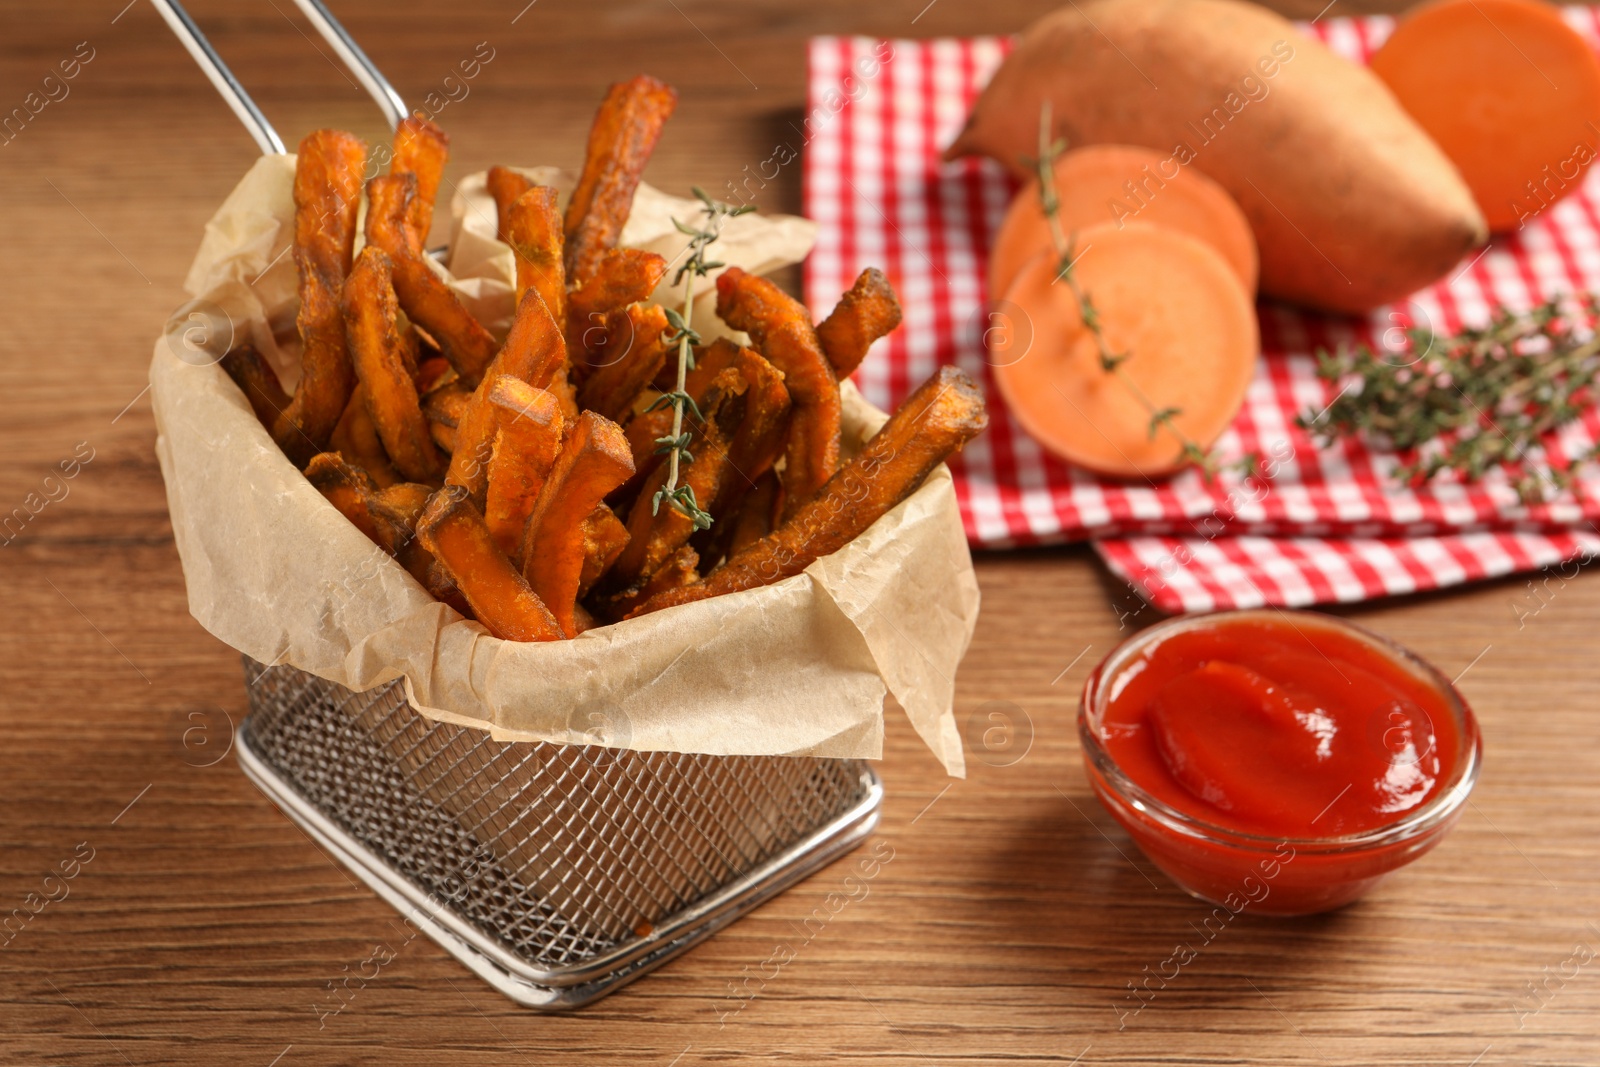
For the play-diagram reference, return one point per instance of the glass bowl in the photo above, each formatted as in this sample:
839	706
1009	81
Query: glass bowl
1273	875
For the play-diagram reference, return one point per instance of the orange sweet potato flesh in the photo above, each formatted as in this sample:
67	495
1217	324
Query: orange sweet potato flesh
505	185
453	530
1351	203
529	429
781	328
622	276
327	192
936	420
534	351
1509	91
533	230
421	148
427	300
593	461
372	327
868	311
624	134
356	439
1194	349
628	356
1119	184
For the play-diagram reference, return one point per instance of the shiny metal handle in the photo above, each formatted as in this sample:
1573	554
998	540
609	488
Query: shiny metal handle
187	32
371	78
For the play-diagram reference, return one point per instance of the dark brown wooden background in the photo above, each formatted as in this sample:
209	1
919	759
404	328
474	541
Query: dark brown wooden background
1007	927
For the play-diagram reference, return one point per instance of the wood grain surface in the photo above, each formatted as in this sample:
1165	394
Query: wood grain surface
205	928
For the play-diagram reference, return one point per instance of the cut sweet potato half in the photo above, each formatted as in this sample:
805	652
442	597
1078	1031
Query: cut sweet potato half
1167	300
1508	90
1123	184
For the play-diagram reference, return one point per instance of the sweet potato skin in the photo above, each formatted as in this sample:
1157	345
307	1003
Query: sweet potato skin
1352	205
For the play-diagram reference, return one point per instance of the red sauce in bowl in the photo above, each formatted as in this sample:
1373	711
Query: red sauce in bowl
1272	740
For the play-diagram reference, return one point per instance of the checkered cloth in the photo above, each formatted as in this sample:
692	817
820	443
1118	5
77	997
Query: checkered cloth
1331	525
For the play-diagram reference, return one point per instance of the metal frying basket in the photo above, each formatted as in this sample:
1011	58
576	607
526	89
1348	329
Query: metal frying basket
556	872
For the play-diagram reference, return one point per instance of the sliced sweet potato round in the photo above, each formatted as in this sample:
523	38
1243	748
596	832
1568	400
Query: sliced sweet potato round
1123	184
1167	300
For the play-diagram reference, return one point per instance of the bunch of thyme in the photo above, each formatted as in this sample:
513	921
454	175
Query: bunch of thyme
1110	361
676	445
1488	398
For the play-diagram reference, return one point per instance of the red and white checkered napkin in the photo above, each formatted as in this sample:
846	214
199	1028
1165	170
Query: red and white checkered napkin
1331	525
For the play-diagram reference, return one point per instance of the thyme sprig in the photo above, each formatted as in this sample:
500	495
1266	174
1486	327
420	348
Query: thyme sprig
675	446
1111	361
1488	398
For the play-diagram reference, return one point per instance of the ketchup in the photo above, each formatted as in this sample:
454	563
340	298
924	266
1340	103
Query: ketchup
1270	727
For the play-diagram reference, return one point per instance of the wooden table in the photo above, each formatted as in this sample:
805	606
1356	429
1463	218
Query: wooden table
1008	927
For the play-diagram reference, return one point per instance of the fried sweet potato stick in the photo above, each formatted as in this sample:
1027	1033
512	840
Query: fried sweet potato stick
604	538
505	185
528	438
402	505
534	351
682	569
533	230
372	327
656	533
350	490
623	276
257	381
453	530
444	409
864	314
941	416
327	192
781	328
627	358
593	462
433	372
754	518
758	441
421	149
624	134
427	300
356	439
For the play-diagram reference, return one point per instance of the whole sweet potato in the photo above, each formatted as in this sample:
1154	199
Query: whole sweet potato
1351	203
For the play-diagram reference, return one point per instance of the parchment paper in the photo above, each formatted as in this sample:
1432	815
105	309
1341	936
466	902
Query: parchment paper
803	667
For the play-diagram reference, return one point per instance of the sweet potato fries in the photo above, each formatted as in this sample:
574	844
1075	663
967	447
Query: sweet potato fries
527	483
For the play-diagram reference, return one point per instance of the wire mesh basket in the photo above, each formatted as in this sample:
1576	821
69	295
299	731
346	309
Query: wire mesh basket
556	872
